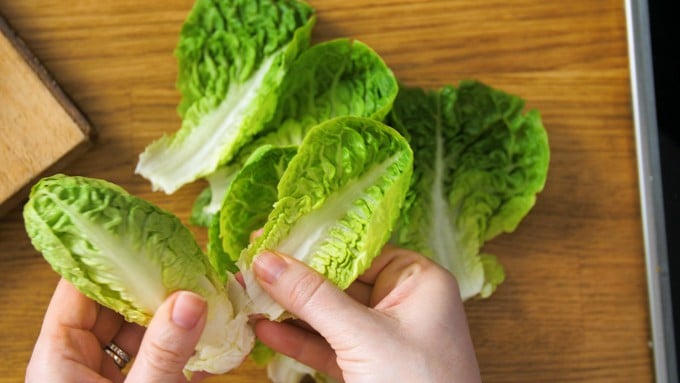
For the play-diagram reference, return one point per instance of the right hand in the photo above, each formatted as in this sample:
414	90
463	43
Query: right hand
401	321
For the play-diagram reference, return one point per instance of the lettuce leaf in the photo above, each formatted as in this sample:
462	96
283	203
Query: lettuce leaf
341	77
232	56
247	204
479	163
283	369
337	203
129	255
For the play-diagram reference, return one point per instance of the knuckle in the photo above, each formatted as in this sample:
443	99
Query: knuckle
163	358
304	289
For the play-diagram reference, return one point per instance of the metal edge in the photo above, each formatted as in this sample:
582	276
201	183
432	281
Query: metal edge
651	196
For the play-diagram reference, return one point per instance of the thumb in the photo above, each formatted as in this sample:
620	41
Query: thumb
308	295
170	339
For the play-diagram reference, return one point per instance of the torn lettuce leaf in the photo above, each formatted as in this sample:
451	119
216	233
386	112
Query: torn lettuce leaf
247	204
232	56
341	77
283	369
129	255
337	203
479	163
197	217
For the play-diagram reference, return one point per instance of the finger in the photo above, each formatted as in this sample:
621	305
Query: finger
306	347
110	370
360	291
387	255
66	350
70	308
239	278
301	324
255	234
401	267
111	328
129	338
170	339
390	269
419	281
308	295
107	325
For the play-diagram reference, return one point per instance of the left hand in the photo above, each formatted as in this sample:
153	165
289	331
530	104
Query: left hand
76	330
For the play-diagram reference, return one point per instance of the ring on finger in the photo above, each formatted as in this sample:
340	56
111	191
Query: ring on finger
120	357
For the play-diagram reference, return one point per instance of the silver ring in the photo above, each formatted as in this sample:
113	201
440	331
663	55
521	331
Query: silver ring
120	357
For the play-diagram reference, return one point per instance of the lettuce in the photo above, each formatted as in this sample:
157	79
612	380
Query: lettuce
247	205
232	56
479	163
283	369
337	203
336	78
129	255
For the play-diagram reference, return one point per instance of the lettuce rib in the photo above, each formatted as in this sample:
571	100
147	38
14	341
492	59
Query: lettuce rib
233	56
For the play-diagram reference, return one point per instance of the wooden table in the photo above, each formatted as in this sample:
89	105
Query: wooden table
574	305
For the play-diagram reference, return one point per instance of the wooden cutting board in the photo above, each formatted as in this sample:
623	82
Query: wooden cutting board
40	128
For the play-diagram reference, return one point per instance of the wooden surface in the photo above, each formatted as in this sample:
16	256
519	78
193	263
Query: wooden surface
40	128
573	308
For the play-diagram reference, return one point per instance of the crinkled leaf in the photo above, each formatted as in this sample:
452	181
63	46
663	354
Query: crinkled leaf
251	197
479	163
129	255
233	56
340	77
246	205
337	202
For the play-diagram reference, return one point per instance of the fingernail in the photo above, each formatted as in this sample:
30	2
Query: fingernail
188	309
268	267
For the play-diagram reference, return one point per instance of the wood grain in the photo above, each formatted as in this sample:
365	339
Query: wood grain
40	127
574	306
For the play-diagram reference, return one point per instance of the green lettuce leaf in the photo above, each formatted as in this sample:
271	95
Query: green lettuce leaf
261	354
198	217
129	255
219	259
232	56
338	200
336	78
247	204
479	163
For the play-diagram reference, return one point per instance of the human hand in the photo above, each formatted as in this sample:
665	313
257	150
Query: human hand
76	330
402	321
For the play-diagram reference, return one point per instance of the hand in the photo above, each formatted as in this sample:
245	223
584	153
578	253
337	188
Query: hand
402	321
76	330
